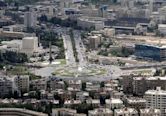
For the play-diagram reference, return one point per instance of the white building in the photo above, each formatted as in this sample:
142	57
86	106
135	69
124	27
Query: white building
162	29
22	83
126	112
29	45
30	19
150	112
156	99
100	112
114	103
96	23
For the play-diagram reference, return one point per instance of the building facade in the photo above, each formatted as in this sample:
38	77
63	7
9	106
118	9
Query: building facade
150	52
6	86
156	99
22	83
30	19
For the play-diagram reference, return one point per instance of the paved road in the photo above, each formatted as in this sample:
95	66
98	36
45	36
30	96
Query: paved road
80	48
69	54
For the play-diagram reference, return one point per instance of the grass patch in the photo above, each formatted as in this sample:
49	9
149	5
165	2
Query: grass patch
62	61
18	70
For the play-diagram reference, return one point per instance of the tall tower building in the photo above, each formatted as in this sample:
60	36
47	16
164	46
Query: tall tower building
156	99
151	6
30	19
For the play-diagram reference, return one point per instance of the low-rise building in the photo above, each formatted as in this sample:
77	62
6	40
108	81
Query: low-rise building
55	84
39	84
94	102
135	102
126	112
82	95
76	84
162	29
96	23
69	103
100	112
92	87
114	103
150	112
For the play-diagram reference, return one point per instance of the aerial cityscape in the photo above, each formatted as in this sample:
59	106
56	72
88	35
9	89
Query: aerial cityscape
82	57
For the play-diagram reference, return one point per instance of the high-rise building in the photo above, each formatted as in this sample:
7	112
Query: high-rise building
30	19
22	83
156	99
151	6
6	86
94	41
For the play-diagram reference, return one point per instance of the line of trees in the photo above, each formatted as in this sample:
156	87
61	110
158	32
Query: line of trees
74	46
13	57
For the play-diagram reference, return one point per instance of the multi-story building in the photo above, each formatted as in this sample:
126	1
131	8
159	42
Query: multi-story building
75	84
70	103
126	112
6	86
82	95
19	112
142	84
54	84
29	45
22	83
96	23
135	102
114	103
100	112
30	19
156	99
150	112
94	102
150	52
94	41
40	84
91	87
162	29
127	81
